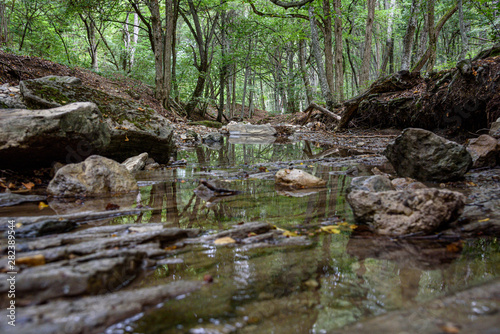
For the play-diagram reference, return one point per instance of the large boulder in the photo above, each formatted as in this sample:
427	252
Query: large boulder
297	179
96	176
484	150
242	129
137	163
134	128
30	138
425	156
406	212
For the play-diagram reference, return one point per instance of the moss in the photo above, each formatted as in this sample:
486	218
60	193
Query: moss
208	124
50	93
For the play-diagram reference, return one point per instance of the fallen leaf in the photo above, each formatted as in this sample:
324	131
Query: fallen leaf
111	206
170	248
18	225
483	220
42	206
251	234
333	229
34	260
28	185
287	233
208	278
12	186
450	328
454	247
126	138
224	241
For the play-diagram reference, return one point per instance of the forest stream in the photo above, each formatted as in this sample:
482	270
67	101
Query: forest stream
328	276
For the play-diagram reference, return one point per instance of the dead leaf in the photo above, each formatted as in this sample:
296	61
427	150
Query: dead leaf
450	328
454	247
28	185
112	206
332	229
287	233
483	220
34	260
224	241
251	234
126	138
42	206
12	186
170	248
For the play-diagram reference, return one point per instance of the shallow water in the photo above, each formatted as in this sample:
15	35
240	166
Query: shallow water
338	280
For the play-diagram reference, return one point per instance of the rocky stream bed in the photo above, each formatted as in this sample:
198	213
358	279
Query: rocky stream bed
178	257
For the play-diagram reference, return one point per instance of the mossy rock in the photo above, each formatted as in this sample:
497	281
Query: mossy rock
208	124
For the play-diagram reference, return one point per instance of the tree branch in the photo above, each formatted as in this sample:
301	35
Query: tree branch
292	4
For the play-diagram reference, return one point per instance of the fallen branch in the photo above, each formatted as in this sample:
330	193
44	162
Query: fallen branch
325	111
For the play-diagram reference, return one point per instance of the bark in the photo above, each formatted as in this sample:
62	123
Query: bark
339	67
409	35
325	91
157	44
167	47
422	45
328	34
432	35
291	105
364	74
463	32
389	43
4	28
223	67
135	39
303	71
125	59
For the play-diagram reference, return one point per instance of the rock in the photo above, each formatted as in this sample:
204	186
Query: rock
34	138
137	163
9	199
96	176
406	183
264	140
425	156
373	183
297	179
213	137
134	128
406	212
495	129
93	314
241	129
484	151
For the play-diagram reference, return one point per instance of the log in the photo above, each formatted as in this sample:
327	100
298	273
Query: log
325	111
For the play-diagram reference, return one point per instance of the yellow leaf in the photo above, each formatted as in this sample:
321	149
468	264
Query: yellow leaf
42	206
353	227
224	241
330	229
18	225
483	220
126	138
34	260
301	163
287	233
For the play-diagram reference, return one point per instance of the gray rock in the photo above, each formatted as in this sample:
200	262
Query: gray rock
134	128
425	156
263	140
406	183
96	176
33	138
373	183
94	314
137	163
495	129
213	137
484	151
406	212
9	199
93	274
297	179
241	129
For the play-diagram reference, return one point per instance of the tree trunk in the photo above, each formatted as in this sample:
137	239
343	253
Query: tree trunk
339	67
167	53
364	74
4	28
389	43
135	39
432	35
303	71
409	35
158	44
328	34
463	32
290	87
223	67
325	91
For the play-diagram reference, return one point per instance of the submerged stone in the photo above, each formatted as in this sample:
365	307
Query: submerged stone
297	179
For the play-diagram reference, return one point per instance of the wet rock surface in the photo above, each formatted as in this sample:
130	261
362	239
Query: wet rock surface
9	199
241	129
425	156
297	179
373	183
96	176
135	164
403	212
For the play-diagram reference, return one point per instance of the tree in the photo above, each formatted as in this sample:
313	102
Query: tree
409	36
364	74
